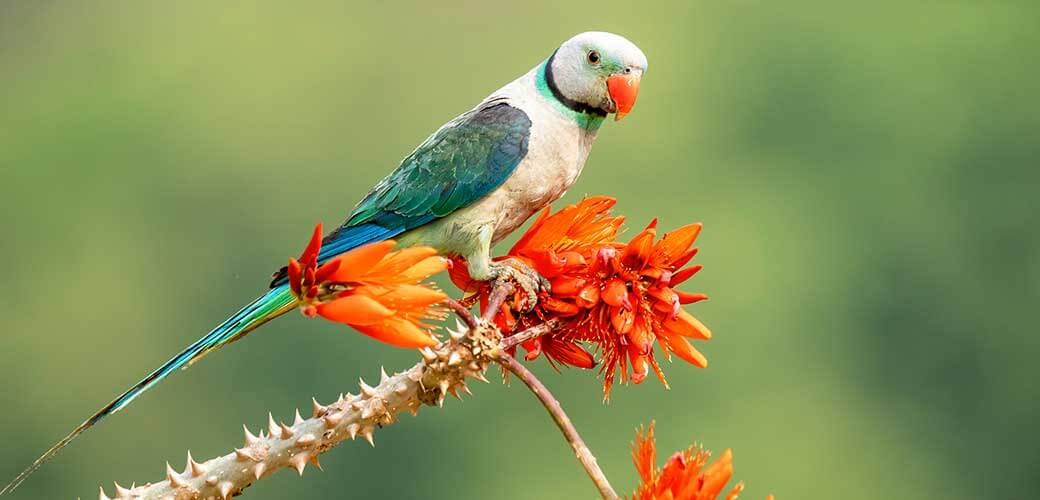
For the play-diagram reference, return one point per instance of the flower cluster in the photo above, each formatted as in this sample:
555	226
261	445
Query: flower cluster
371	288
620	297
685	476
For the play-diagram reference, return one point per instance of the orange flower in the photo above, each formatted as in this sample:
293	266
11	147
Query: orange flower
372	289
684	476
637	304
557	244
620	297
576	228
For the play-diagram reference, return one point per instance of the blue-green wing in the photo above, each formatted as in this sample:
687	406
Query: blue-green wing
459	164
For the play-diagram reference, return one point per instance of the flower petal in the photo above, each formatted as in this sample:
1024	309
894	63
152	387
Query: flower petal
397	262
560	307
568	353
534	348
684	258
644	454
504	320
545	261
356	309
622	319
309	257
682	348
737	489
423	269
686	325
637	252
637	356
399	332
327	269
459	275
588	296
410	297
567	286
716	476
663	294
615	293
572	260
573	227
690	298
357	262
680	276
599	230
293	270
676	474
675	243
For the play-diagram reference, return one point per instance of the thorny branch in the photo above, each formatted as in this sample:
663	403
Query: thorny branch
442	371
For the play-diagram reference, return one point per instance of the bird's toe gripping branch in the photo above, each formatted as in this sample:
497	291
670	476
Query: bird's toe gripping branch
527	280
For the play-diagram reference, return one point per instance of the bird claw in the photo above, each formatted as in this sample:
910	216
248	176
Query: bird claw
519	273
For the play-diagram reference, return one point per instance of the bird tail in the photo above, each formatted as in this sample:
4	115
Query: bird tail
274	303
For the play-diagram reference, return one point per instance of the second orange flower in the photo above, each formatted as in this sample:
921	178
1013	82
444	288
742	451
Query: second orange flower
373	289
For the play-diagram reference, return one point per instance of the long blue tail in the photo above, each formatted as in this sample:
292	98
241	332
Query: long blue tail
274	303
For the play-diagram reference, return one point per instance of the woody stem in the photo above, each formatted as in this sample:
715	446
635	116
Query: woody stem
463	312
529	334
563	422
498	296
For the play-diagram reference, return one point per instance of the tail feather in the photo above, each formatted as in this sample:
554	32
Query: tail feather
274	303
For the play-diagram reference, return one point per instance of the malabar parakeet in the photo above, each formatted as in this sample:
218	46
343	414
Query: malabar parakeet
468	185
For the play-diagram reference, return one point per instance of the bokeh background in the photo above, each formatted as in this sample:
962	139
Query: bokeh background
867	175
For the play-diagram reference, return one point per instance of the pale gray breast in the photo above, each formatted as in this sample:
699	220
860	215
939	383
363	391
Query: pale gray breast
556	152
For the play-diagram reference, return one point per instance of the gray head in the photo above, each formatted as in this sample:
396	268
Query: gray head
596	72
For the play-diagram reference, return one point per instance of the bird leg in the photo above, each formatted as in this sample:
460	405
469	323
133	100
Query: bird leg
482	268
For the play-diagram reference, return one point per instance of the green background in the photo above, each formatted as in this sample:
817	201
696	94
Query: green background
867	176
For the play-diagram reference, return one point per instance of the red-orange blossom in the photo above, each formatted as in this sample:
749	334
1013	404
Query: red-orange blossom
620	297
686	475
371	288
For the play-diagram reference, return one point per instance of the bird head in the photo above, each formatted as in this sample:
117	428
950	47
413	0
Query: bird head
597	72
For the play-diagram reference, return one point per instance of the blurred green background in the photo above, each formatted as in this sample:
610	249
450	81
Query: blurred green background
867	176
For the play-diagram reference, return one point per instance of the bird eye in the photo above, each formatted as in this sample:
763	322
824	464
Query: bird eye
593	57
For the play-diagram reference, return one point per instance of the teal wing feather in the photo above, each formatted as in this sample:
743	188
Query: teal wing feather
459	164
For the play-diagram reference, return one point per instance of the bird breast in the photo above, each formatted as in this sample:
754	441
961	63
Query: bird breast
556	152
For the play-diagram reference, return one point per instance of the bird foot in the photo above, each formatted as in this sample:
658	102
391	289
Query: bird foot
519	273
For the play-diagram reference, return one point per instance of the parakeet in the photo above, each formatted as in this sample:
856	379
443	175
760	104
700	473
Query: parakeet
468	185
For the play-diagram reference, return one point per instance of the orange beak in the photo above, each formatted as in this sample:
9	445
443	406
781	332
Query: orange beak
623	91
